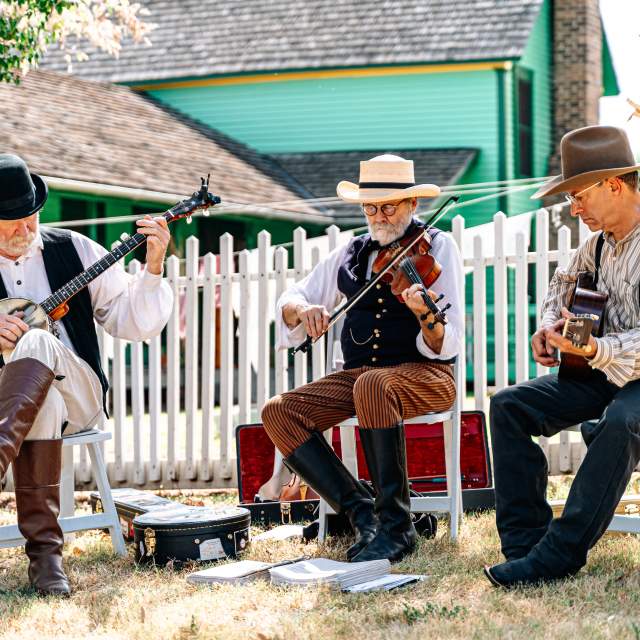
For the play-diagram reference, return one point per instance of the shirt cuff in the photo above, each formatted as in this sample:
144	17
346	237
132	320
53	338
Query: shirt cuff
151	280
604	354
447	352
549	319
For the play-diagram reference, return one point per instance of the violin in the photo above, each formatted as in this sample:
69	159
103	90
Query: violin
417	266
421	262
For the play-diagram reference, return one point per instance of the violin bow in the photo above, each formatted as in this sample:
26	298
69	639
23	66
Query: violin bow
340	311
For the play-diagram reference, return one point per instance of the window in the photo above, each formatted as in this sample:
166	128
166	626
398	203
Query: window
525	126
75	209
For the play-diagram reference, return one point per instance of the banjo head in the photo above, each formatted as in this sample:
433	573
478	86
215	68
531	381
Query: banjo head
34	314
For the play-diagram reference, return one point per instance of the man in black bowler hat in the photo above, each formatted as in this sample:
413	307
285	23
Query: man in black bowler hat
599	176
52	382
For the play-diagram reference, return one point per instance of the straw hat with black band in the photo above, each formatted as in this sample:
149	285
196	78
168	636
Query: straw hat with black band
385	178
21	193
589	155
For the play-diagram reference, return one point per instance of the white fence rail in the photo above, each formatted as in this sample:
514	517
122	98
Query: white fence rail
176	401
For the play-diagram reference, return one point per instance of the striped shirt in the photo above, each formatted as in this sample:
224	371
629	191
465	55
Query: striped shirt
618	351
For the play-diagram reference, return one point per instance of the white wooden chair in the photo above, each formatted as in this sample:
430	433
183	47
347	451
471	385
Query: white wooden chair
450	503
10	535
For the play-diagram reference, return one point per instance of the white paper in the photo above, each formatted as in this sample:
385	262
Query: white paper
385	583
283	532
232	572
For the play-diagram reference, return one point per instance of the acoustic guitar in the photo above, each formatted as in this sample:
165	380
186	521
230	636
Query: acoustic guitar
588	306
45	314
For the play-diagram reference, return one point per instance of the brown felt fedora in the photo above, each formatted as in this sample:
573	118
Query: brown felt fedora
588	155
383	179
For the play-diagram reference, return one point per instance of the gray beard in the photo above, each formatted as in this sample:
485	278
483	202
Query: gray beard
386	232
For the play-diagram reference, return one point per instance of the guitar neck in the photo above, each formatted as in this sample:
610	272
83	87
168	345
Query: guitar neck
67	291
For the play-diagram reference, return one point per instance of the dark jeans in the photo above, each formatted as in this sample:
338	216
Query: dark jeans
543	407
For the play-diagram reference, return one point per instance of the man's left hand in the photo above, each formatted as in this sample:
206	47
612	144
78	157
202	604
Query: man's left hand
413	299
157	232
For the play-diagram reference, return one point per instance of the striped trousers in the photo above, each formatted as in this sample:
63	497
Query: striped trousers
380	397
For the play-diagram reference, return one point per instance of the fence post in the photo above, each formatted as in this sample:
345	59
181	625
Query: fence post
457	228
244	329
522	309
137	398
500	308
542	283
299	241
155	407
173	368
191	354
282	356
479	325
265	265
226	352
208	356
564	456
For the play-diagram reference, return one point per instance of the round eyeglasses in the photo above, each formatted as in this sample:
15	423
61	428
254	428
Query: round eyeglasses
387	209
573	200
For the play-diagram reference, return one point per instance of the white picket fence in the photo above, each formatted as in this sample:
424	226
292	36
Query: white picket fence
174	413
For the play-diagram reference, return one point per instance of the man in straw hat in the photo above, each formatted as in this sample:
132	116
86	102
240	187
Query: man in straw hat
599	176
395	365
51	384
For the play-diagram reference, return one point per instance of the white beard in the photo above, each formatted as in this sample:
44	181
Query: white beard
17	246
386	232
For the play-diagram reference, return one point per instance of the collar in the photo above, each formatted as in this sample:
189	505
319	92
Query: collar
611	241
35	247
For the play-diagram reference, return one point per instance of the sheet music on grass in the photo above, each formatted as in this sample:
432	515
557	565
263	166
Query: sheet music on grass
330	572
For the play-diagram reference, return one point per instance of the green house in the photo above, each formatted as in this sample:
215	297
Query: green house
303	78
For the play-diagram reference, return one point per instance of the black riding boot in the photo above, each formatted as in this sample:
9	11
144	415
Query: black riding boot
385	452
317	464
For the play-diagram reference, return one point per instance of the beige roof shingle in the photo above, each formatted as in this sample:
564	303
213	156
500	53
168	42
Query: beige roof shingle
81	130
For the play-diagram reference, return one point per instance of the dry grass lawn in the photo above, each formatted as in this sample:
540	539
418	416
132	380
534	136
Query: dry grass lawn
115	599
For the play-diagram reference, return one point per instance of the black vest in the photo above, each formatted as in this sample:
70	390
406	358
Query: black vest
62	263
379	330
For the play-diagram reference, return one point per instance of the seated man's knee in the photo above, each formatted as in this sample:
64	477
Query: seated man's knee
375	383
34	344
272	411
620	419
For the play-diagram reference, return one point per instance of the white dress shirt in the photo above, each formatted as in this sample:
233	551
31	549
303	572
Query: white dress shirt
128	306
321	287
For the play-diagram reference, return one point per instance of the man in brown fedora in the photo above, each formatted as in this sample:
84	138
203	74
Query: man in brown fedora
53	383
397	363
599	176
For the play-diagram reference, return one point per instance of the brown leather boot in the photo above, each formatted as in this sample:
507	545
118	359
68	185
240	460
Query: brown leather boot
36	474
24	385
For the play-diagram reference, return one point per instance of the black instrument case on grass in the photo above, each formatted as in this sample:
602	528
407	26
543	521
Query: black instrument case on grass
181	533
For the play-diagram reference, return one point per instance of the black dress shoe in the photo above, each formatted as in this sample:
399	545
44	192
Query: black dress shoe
521	572
385	545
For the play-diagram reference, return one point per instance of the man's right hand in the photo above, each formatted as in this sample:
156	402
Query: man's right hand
543	352
314	318
11	329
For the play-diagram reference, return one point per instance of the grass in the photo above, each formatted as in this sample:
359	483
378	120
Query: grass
115	599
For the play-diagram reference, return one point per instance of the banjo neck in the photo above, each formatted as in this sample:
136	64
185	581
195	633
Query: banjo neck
55	305
62	295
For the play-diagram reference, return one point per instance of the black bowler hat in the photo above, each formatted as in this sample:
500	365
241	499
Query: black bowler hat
21	193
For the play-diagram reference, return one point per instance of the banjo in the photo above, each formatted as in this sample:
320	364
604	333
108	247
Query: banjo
44	315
